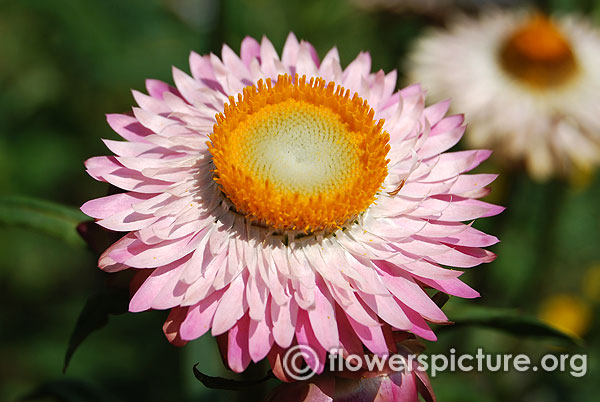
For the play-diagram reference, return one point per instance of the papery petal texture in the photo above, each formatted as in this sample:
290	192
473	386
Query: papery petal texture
261	289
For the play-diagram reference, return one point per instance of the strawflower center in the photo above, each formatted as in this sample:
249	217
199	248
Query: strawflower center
538	54
299	155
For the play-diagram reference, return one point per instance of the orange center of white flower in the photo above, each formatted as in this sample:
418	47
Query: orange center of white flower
298	155
538	54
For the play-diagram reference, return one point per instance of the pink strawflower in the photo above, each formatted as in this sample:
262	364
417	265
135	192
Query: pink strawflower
269	202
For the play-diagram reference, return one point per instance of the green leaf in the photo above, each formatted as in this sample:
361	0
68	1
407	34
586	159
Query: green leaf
226	383
507	320
95	315
43	216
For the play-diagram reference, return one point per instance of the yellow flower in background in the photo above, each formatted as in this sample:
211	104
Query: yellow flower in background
591	284
567	313
581	179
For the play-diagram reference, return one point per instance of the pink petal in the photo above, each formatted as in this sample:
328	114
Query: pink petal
202	71
256	294
469	182
314	355
127	221
171	294
124	248
172	325
235	66
289	54
437	111
232	307
284	322
190	90
322	320
470	237
387	309
144	256
305	64
330	68
101	208
401	387
250	49
408	291
261	338
360	67
452	286
143	298
127	127
424	268
150	103
107	168
355	309
349	341
464	257
419	326
238	357
371	337
126	148
440	143
199	318
157	88
269	58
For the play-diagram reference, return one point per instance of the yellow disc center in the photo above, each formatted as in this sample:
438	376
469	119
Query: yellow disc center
538	54
298	155
298	147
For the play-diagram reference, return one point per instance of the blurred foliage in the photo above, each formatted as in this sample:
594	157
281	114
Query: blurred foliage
95	315
67	62
42	216
510	321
